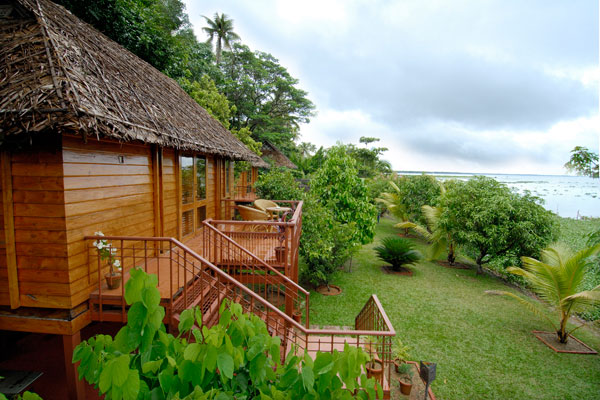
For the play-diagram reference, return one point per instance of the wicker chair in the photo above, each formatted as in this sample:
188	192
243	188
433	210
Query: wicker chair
254	214
262	204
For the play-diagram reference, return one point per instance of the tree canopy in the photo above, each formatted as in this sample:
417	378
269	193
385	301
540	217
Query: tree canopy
485	216
339	188
583	162
266	96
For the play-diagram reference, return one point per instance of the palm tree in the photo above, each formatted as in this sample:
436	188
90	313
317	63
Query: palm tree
393	202
558	279
221	29
438	237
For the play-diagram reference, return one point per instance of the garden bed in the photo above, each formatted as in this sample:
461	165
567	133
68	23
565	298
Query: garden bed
573	345
418	388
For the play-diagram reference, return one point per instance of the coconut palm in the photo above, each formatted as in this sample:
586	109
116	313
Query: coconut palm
221	29
433	233
393	202
558	278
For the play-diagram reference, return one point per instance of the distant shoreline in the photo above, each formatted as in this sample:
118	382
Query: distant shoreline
444	173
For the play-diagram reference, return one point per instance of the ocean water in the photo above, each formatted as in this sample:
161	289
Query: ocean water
567	196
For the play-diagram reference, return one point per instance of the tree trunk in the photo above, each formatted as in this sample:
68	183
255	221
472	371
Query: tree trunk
451	255
479	265
562	332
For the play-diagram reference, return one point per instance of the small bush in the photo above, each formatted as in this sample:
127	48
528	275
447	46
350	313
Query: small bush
398	251
278	184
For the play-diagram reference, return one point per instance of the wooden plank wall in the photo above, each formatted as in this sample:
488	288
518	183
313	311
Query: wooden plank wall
108	188
62	196
38	206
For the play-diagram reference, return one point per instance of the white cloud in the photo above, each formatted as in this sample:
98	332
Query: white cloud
486	86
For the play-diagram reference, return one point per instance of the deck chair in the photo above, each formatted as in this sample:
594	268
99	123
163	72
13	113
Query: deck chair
254	214
262	204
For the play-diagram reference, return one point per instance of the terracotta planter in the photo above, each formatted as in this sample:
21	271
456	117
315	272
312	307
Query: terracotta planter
280	254
397	364
375	370
405	387
113	280
297	315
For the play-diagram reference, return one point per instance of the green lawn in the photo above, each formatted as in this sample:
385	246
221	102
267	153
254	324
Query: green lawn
482	344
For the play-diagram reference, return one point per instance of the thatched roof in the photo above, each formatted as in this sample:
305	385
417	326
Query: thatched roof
270	152
58	74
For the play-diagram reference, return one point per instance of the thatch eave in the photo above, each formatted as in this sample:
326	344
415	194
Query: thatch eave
59	74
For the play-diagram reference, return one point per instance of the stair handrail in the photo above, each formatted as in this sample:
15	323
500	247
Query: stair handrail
264	264
290	322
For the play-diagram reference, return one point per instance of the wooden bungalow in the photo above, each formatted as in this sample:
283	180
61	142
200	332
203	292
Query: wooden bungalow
93	139
272	154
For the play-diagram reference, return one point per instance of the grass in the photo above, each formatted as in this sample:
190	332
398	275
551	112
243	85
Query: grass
482	344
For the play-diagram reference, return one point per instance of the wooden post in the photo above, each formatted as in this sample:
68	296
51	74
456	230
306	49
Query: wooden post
75	387
9	231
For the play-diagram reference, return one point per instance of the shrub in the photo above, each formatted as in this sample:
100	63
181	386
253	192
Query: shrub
337	186
398	251
237	358
416	191
325	244
278	184
491	221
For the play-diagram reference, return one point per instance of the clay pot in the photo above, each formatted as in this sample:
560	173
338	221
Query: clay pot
297	315
375	370
113	280
405	387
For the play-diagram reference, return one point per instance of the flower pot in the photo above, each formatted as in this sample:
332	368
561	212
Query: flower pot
113	280
375	370
405	387
297	315
397	364
280	254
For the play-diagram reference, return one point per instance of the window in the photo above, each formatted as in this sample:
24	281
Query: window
200	178
187	176
193	193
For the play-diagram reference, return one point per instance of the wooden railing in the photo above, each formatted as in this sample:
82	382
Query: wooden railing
241	264
245	192
186	279
275	242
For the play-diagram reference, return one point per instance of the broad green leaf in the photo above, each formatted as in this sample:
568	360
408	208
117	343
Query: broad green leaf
151	366
308	378
132	388
210	359
186	320
225	364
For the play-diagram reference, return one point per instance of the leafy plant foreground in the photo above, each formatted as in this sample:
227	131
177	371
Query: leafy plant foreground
235	359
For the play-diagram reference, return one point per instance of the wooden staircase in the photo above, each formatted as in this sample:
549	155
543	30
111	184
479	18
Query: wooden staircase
188	280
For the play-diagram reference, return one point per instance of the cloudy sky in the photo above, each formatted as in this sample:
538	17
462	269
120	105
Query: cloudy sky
463	85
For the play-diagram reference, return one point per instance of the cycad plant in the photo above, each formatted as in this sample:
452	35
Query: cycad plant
558	279
398	251
439	238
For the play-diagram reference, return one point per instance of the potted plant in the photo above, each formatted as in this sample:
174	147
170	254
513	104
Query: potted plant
297	314
374	366
405	379
400	353
107	253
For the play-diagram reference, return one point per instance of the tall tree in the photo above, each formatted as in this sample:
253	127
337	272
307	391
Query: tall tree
266	96
220	30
